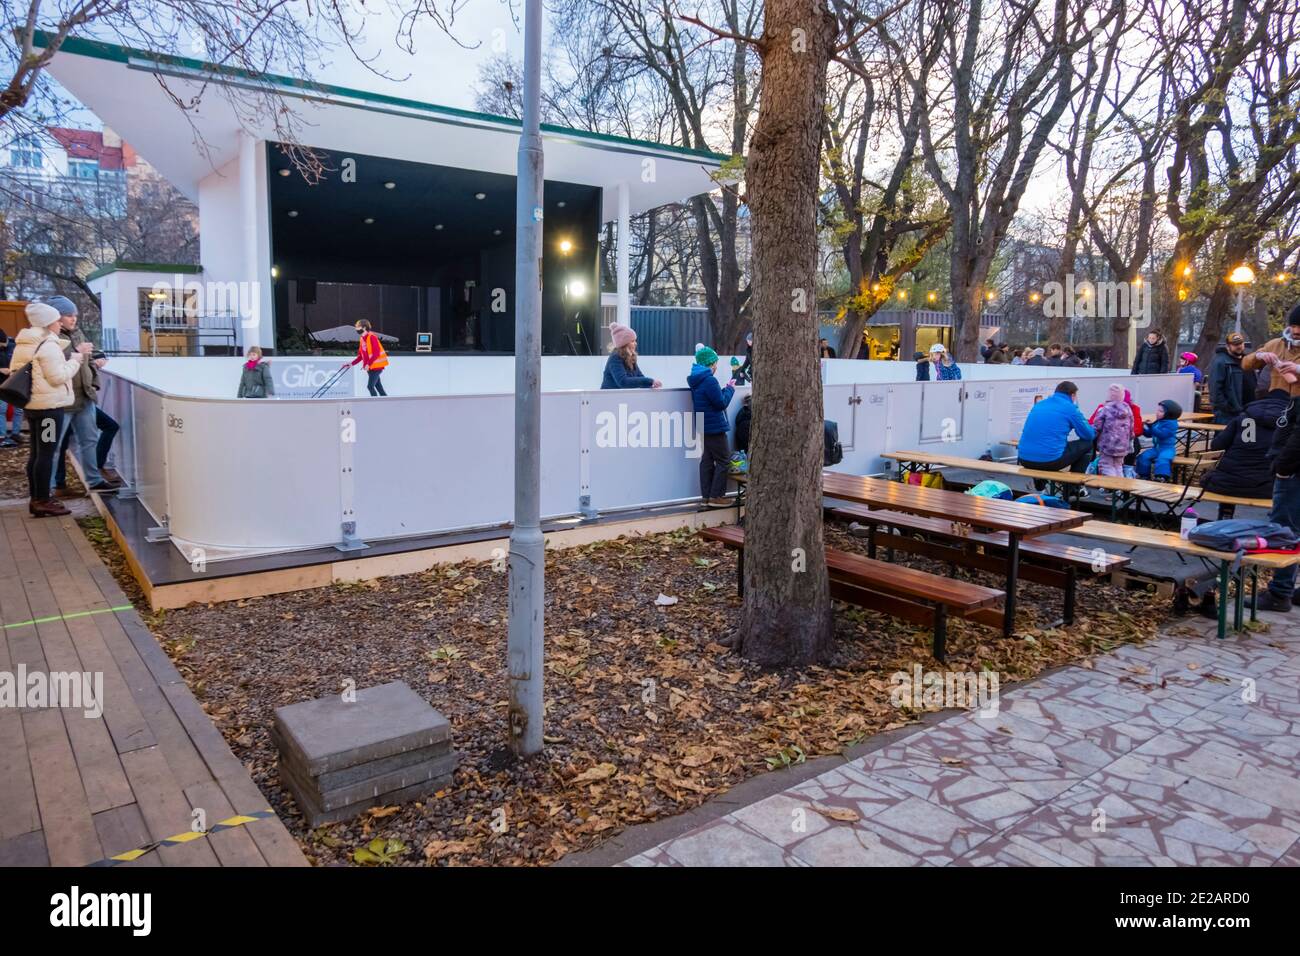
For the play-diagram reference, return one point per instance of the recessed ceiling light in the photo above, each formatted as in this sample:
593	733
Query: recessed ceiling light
368	220
480	195
438	226
390	185
293	213
496	232
284	172
560	204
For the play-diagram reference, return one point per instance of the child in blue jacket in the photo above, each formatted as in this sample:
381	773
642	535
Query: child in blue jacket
1159	458
711	401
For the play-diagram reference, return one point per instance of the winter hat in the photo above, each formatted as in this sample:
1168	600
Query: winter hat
621	335
1293	317
735	362
705	356
1189	358
937	347
1115	393
61	302
41	315
1036	352
1172	409
918	356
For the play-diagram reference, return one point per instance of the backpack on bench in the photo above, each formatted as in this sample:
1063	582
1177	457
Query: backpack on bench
1245	534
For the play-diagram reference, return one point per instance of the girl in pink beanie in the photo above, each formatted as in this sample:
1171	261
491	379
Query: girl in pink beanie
621	369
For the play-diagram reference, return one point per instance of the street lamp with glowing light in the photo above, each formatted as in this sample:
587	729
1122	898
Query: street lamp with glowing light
1241	277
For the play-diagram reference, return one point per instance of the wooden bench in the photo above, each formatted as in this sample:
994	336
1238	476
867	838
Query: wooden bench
1049	563
916	596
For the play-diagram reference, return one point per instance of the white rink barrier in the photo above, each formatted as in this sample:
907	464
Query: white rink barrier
230	478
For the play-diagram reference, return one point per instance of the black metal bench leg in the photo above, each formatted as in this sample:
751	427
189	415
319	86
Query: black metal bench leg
1071	579
940	632
1013	572
1254	592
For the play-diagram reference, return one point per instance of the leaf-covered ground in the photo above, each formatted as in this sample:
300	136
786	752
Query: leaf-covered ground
13	473
647	715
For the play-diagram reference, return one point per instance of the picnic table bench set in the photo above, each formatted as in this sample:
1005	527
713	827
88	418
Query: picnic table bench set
1000	536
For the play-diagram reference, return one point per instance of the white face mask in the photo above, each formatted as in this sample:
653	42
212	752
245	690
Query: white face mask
1289	338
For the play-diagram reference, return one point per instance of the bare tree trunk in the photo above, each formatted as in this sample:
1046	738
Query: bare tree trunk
787	616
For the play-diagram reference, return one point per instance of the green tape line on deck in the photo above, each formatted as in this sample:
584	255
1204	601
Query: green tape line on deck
69	617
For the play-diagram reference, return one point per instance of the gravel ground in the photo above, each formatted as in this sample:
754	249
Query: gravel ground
646	714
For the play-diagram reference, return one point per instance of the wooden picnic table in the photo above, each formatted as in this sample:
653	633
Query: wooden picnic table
1017	519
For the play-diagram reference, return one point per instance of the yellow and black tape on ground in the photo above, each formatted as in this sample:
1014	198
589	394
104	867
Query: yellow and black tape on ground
189	836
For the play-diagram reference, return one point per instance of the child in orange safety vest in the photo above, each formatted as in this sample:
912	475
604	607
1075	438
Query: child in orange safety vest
371	355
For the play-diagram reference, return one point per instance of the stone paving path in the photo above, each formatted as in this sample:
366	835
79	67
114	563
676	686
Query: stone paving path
1153	756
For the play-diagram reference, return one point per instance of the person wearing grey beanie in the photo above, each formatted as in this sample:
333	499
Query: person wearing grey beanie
81	431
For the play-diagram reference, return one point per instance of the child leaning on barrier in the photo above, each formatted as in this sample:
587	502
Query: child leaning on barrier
1114	424
1158	460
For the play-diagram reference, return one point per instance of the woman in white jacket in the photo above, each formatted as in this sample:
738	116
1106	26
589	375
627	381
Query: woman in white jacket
51	394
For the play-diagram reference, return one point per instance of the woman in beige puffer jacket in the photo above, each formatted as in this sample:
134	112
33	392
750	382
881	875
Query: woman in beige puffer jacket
52	376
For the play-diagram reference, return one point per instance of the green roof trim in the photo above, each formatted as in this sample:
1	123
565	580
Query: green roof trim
98	49
173	267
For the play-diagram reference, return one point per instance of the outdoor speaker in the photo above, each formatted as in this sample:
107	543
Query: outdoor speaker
306	291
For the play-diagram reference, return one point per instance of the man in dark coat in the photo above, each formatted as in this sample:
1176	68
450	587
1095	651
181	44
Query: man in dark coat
1153	356
1228	383
1246	468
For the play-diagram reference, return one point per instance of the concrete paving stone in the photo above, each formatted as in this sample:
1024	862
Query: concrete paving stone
331	734
724	843
438	768
335	779
317	815
849	845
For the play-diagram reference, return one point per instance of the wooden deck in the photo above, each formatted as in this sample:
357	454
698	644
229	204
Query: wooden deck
76	790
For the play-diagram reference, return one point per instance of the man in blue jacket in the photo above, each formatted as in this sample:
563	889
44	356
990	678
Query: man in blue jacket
711	401
1045	443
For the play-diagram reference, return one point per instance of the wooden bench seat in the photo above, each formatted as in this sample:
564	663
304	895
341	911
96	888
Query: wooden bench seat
1049	563
916	596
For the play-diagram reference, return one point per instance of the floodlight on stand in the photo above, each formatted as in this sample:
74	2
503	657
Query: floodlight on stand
1242	275
577	289
566	246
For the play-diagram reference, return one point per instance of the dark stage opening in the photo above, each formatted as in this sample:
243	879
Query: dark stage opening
421	248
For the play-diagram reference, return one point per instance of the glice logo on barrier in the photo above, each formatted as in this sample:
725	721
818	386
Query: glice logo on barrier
964	690
37	690
637	429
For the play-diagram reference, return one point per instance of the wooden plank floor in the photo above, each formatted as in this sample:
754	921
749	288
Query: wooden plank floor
76	789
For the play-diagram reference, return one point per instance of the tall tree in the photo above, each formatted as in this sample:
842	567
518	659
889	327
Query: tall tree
1009	68
787	614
